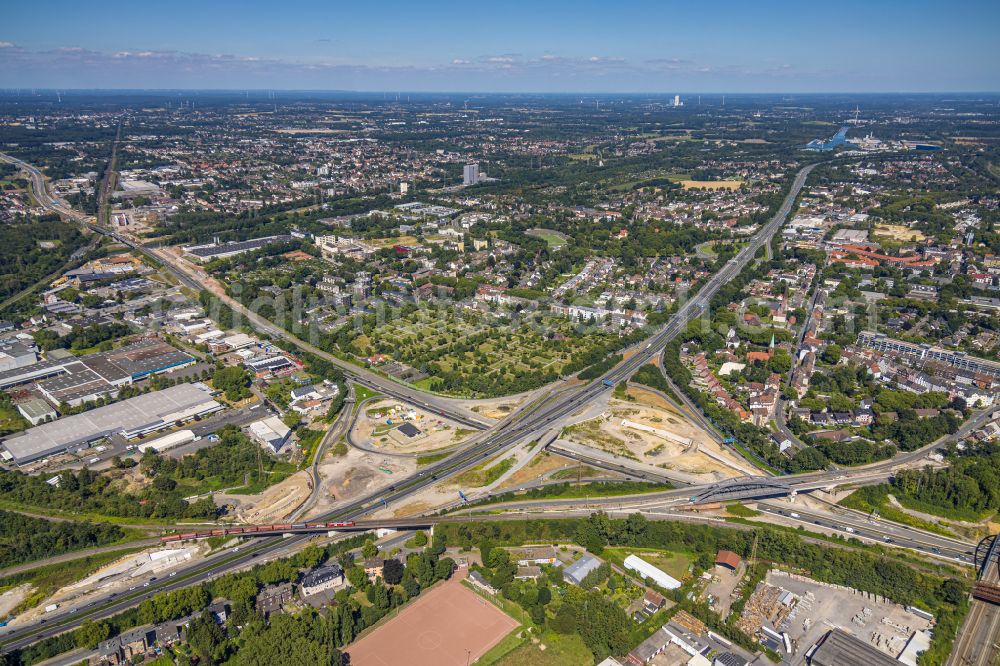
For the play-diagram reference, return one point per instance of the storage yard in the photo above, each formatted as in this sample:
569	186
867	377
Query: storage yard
806	610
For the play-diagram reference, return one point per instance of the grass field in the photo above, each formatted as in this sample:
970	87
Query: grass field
674	564
554	239
551	649
432	458
484	474
11	421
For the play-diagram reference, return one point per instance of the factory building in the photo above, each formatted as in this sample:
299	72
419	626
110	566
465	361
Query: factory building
129	418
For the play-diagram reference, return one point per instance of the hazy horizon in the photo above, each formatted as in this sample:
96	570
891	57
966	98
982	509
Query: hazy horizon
633	47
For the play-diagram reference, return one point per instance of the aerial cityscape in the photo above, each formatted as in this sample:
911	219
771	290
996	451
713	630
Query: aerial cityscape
559	335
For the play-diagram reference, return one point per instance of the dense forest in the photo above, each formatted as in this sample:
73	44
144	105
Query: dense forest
29	252
86	491
967	489
23	538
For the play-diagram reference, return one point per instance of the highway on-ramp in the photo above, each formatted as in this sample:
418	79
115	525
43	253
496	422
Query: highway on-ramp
530	421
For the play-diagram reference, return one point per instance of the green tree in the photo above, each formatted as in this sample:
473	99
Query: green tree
234	381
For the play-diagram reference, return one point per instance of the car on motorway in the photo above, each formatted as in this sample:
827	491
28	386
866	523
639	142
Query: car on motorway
172	574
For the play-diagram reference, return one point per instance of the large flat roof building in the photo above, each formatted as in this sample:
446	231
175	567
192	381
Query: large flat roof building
75	380
221	250
130	418
17	353
839	648
647	570
923	352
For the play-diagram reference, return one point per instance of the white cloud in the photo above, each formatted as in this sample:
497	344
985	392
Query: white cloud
6	45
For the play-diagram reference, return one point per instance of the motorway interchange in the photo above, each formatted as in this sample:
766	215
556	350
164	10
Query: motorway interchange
531	421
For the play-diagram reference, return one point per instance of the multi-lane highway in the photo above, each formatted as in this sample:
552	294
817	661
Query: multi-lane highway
530	420
190	279
850	524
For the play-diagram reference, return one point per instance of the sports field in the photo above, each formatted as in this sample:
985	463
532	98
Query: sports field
449	626
711	184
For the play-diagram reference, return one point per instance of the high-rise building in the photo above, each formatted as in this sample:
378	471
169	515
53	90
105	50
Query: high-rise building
362	287
470	175
404	188
677	100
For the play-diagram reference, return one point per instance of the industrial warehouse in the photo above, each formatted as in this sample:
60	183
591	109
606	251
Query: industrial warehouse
130	418
74	380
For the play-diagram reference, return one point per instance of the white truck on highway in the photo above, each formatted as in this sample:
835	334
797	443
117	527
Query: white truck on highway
51	607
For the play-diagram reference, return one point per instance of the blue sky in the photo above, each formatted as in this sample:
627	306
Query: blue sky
511	45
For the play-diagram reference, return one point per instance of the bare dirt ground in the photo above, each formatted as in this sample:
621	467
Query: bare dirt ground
357	473
10	599
711	184
499	408
373	429
898	232
274	504
648	429
450	624
540	466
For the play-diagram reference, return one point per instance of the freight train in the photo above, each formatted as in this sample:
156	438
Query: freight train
254	529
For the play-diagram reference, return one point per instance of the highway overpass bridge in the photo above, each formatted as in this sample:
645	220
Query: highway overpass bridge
754	487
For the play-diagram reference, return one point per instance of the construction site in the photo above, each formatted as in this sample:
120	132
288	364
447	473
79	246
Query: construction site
646	429
397	428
